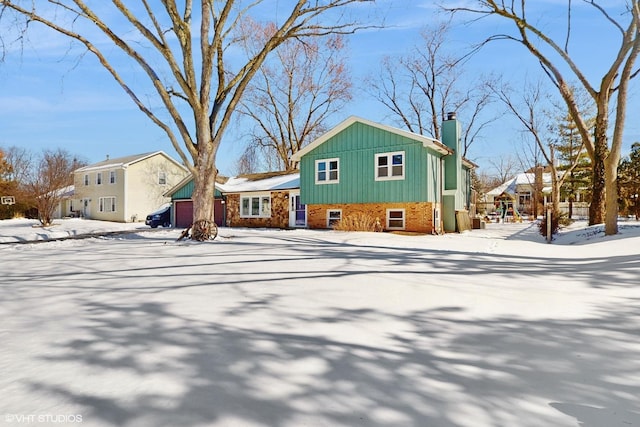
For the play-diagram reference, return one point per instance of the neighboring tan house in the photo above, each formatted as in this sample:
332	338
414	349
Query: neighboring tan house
408	181
125	189
67	205
520	191
270	199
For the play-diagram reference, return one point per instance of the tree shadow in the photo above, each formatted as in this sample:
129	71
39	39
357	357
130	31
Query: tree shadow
207	335
433	368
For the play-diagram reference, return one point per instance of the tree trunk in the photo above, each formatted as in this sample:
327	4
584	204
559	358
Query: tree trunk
597	207
611	186
204	188
555	188
570	207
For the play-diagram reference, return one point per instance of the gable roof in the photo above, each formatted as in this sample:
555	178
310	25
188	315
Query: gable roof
273	181
469	164
510	186
220	179
426	141
125	161
265	181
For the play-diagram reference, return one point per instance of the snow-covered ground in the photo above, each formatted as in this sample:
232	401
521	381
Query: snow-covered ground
492	327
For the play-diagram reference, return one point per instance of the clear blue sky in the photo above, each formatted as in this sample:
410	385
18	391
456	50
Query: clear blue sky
49	98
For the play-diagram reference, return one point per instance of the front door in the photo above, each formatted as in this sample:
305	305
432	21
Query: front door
86	208
297	211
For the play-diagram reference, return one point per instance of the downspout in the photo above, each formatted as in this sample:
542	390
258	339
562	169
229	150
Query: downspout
124	192
224	209
440	227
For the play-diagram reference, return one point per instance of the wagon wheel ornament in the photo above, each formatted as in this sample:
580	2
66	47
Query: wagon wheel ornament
201	231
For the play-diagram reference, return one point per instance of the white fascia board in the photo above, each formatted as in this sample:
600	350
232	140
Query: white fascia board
426	141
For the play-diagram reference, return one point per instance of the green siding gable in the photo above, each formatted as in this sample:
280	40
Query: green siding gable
356	147
186	190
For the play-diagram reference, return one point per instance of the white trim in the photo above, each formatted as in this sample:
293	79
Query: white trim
425	140
118	164
293	194
329	216
389	157
327	171
262	210
404	219
101	204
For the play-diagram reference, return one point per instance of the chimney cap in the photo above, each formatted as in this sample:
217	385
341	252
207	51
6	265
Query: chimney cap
451	115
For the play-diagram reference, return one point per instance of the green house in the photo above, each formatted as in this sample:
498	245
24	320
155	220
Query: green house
406	181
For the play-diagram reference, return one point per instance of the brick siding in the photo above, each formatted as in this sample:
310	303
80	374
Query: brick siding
279	212
418	215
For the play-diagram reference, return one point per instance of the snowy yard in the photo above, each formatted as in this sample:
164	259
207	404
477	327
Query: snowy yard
492	327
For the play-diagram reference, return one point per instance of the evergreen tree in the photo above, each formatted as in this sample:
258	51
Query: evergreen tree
629	182
570	151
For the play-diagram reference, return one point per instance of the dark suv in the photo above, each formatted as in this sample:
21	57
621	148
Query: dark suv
160	217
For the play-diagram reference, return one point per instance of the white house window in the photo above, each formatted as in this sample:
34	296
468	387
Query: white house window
255	206
112	177
333	217
99	178
107	204
395	219
390	166
86	179
327	171
162	178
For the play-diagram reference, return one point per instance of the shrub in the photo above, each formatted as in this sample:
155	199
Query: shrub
358	222
557	219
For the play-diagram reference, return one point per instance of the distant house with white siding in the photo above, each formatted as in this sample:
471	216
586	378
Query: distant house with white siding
66	206
125	189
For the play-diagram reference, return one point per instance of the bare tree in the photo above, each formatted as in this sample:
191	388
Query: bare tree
294	93
186	52
6	185
420	87
505	168
20	160
530	111
249	161
5	167
554	57
49	180
20	163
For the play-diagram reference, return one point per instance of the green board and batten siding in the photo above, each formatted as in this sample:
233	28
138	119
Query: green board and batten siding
356	147
186	190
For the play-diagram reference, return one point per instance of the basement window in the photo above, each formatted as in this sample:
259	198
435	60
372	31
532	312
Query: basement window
395	219
333	217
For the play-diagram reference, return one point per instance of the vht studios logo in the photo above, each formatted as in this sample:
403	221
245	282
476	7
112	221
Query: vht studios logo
43	418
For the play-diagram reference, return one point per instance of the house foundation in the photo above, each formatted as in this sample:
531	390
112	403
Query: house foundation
418	216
